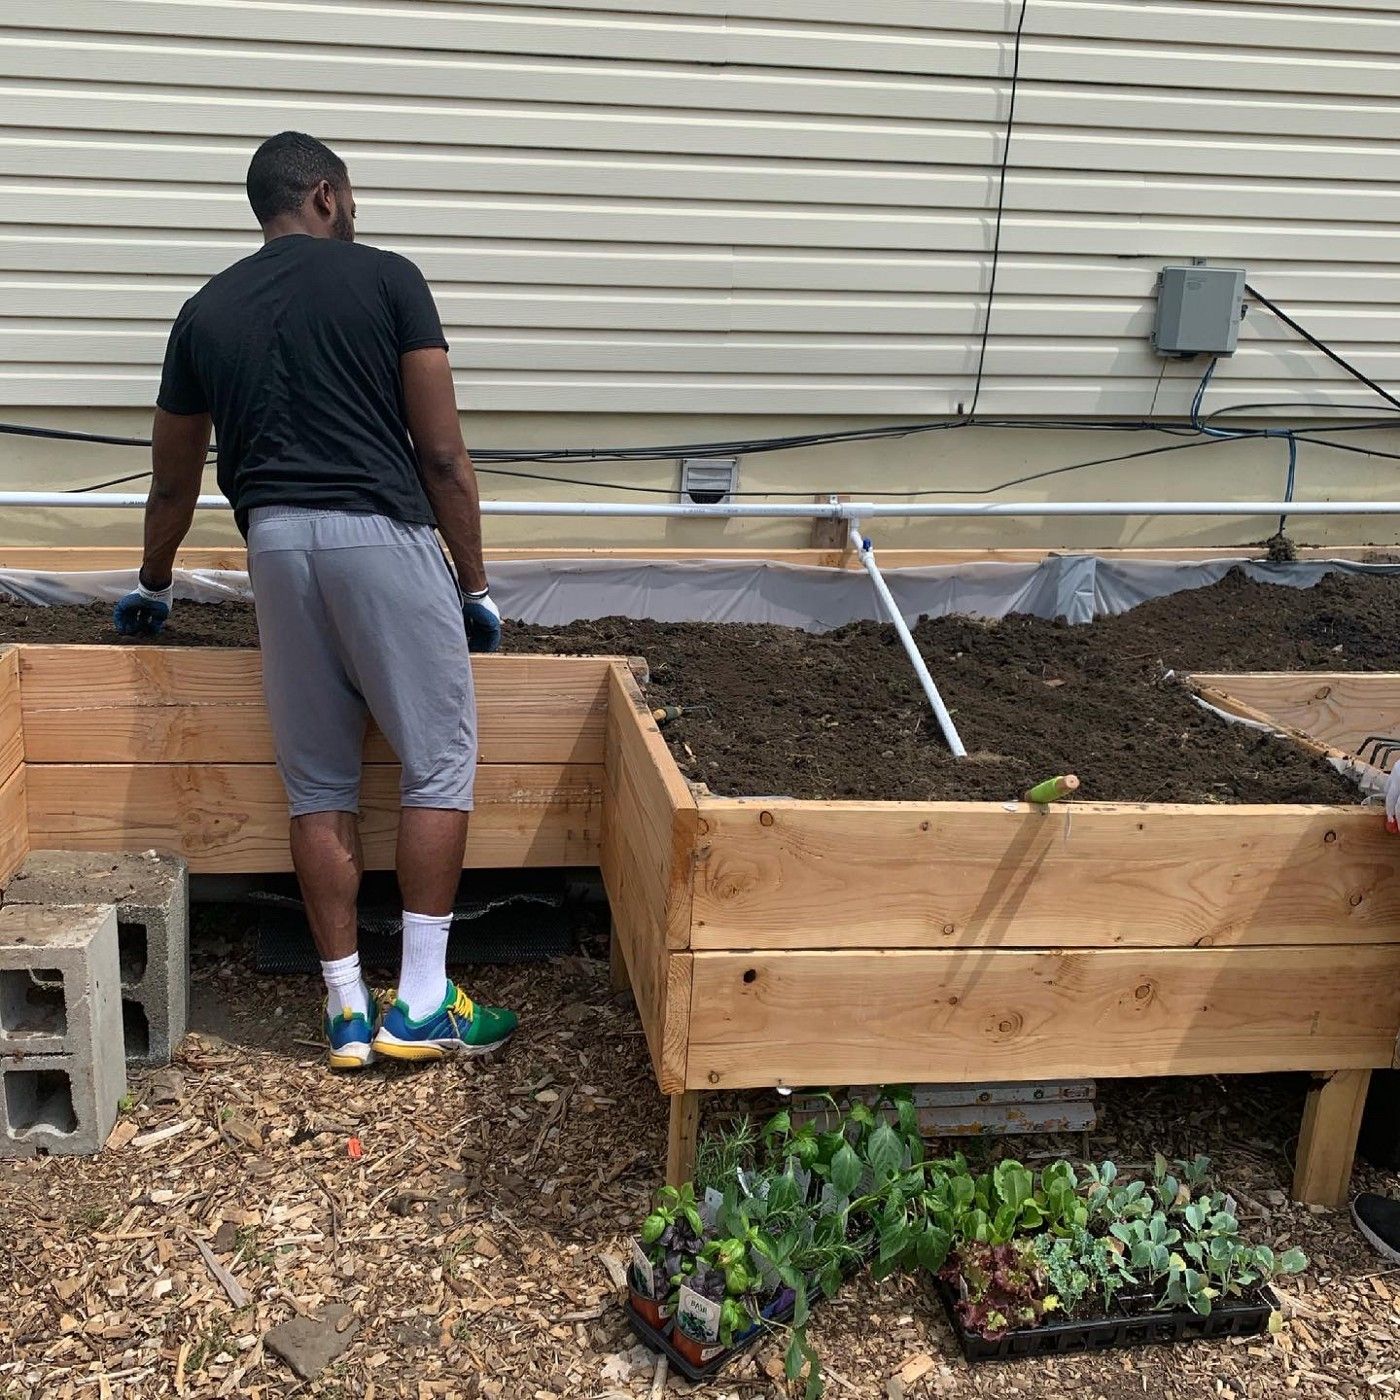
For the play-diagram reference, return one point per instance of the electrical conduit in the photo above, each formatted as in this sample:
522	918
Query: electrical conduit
940	711
846	510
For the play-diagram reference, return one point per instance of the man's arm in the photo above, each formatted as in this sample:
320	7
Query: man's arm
179	449
179	446
446	468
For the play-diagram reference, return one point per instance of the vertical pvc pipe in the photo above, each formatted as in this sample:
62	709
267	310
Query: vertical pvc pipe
866	552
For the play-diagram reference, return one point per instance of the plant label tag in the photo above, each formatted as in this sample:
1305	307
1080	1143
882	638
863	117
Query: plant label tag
744	1182
710	1206
697	1316
643	1274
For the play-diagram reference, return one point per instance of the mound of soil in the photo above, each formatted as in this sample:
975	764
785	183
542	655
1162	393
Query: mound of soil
780	711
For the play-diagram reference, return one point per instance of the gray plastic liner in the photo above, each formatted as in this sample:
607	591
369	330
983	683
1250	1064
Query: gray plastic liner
1078	587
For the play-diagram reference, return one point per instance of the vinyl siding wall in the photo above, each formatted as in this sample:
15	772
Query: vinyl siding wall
707	209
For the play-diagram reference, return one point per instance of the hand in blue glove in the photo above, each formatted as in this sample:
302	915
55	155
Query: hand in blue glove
483	620
143	612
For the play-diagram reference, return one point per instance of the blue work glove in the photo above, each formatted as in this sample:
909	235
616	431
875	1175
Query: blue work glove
483	620
143	613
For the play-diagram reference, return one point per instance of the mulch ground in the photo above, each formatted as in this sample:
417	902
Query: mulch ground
777	711
474	1239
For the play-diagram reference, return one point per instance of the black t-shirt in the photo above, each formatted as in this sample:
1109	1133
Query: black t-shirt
294	353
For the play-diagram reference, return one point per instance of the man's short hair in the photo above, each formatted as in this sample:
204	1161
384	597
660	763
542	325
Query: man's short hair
286	168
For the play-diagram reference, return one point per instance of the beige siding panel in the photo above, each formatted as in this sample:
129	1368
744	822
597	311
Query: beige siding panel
724	206
1163	50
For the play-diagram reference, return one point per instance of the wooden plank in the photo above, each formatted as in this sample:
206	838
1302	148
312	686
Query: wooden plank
58	559
1233	705
14	822
1337	708
233	817
683	1133
875	1017
11	727
664	815
204	705
790	874
637	919
79	559
1327	1143
646	855
618	981
675	1032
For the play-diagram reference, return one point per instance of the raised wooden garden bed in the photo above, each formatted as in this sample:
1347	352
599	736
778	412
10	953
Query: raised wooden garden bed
781	942
134	747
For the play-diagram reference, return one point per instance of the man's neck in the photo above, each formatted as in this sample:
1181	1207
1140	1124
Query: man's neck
285	227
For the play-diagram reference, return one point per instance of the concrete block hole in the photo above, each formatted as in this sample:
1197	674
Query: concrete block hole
132	953
39	1098
31	1002
136	1030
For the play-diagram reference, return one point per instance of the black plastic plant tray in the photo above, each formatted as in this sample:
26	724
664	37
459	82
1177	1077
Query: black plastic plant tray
659	1339
1239	1319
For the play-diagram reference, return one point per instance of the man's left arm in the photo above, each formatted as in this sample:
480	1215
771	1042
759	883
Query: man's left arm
179	449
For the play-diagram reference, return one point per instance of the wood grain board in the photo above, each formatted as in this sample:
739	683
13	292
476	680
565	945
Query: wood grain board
233	817
205	705
14	814
11	727
1338	708
872	1016
791	874
646	855
14	823
1327	1143
84	558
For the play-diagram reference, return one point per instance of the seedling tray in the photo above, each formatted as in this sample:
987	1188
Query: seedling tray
659	1339
1239	1319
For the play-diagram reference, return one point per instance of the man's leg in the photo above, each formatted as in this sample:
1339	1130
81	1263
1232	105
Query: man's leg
318	721
429	862
327	859
398	615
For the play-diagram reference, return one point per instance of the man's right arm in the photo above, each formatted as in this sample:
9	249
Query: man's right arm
430	402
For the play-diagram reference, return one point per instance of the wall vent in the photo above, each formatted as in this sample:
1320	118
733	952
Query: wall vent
708	481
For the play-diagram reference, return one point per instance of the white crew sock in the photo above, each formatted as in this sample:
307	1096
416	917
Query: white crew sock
345	987
423	977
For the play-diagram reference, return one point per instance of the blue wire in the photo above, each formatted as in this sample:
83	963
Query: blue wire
1288	434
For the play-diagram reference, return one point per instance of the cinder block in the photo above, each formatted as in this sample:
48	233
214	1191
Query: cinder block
62	1072
151	893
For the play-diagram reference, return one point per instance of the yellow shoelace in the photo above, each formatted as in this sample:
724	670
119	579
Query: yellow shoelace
462	1006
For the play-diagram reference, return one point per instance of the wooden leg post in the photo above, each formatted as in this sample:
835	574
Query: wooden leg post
1327	1144
680	1143
617	964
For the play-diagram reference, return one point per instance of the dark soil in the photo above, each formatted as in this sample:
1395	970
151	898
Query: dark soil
780	711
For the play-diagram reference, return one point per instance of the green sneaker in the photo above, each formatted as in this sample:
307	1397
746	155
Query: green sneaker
458	1027
350	1036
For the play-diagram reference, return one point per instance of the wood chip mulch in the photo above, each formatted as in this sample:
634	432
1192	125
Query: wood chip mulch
457	1231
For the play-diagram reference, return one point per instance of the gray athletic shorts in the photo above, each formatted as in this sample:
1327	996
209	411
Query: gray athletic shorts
359	615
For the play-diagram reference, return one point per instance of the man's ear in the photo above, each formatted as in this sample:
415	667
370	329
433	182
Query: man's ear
323	200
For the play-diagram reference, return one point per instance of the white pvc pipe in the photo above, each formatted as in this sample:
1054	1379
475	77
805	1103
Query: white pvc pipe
845	510
940	711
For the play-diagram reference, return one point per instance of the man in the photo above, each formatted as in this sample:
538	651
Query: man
321	363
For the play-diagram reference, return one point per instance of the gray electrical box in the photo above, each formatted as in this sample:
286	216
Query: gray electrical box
1198	310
